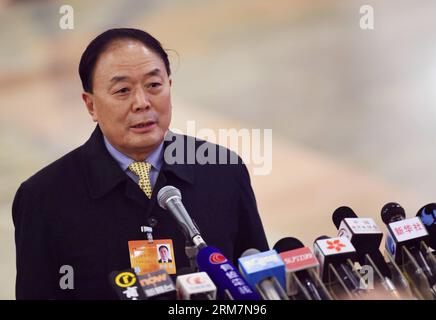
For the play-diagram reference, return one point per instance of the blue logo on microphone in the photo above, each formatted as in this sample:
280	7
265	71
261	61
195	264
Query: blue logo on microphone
390	245
428	219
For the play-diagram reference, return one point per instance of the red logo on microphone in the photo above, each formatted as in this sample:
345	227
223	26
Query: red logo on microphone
195	280
335	244
217	258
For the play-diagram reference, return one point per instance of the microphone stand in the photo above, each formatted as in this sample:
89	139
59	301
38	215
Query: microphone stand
191	252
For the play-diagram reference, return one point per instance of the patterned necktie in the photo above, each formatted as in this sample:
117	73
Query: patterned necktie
142	170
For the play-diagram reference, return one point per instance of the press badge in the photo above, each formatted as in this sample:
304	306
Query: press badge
148	256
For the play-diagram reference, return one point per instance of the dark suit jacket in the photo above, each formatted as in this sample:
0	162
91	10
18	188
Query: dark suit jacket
82	209
168	261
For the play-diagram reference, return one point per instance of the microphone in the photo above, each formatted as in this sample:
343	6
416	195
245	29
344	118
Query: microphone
427	214
157	285
364	235
195	286
404	242
408	233
336	256
392	212
301	270
230	285
264	271
126	285
170	198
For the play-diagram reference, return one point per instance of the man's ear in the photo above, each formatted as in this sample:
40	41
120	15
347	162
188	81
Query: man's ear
88	98
171	81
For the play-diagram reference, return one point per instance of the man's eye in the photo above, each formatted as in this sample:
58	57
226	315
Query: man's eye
154	85
123	90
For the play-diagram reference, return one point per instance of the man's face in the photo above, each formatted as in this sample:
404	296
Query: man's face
163	253
131	98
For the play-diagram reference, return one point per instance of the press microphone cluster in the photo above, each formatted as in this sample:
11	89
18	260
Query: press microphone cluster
366	237
158	285
407	244
347	266
410	269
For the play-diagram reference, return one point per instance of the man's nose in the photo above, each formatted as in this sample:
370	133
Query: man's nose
141	100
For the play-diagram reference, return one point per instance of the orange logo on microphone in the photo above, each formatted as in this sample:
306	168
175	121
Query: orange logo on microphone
335	244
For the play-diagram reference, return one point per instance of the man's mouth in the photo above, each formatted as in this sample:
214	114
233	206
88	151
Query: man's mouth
144	124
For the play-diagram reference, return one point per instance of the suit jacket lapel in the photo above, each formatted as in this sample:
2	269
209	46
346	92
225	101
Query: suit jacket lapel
103	173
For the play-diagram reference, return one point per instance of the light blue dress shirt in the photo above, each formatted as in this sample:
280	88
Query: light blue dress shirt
155	159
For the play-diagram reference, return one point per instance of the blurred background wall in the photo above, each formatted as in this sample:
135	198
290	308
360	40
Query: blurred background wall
352	111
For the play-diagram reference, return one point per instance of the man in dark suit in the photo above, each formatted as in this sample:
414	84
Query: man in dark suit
80	211
164	254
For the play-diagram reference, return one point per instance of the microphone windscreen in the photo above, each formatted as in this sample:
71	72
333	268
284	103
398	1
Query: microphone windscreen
391	210
165	193
427	214
341	213
250	252
321	238
287	244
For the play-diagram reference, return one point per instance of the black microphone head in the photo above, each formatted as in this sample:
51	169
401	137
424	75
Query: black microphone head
250	252
427	214
341	213
287	244
391	212
321	238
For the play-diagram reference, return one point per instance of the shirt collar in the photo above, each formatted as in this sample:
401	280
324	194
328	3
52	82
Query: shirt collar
155	158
